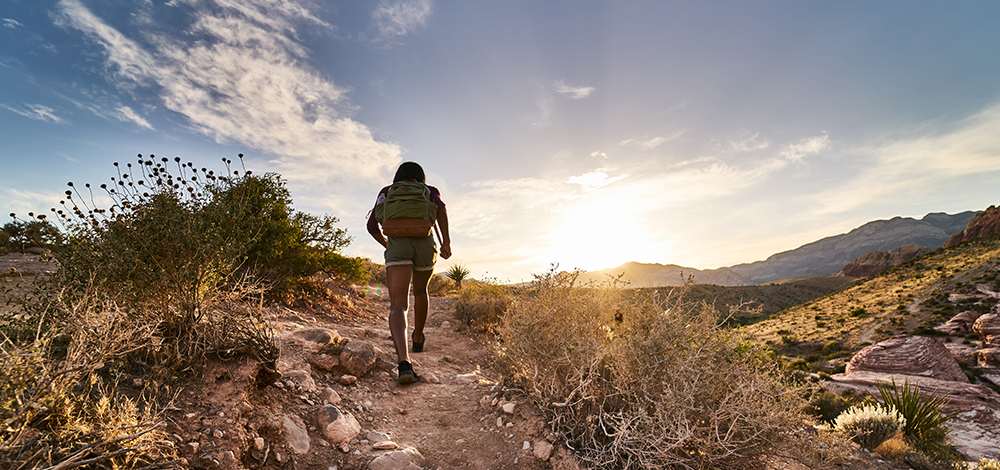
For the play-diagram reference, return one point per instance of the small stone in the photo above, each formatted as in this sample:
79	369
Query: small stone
448	359
430	378
137	383
329	396
374	436
543	450
258	443
467	378
193	446
500	422
508	408
217	434
526	446
344	447
446	324
190	415
348	380
385	445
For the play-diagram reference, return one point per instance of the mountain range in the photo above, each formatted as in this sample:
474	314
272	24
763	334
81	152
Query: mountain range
824	257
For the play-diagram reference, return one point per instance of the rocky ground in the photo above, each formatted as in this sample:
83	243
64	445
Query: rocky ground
337	404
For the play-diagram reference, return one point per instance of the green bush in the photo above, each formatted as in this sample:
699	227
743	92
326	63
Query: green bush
20	234
647	382
826	405
870	425
481	306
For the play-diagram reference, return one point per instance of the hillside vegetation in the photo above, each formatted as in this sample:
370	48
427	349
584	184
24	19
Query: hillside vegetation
910	298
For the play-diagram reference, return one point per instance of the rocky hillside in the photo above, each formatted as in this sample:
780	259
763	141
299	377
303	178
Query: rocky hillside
919	322
874	262
984	224
823	257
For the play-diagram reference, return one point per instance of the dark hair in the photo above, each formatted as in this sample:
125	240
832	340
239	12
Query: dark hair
409	171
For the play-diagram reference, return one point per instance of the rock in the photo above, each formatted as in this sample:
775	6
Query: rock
380	334
337	426
317	340
874	262
258	443
302	378
374	436
564	460
357	332
988	327
407	458
295	433
329	396
357	358
385	445
324	362
347	380
508	408
989	357
446	324
430	377
959	325
467	378
542	450
983	224
908	355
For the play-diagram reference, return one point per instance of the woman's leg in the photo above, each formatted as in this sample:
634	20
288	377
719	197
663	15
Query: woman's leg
420	303
398	280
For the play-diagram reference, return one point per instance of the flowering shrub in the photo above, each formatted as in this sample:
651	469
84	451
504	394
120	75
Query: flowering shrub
870	425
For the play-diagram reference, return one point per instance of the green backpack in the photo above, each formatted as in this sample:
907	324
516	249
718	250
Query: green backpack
407	210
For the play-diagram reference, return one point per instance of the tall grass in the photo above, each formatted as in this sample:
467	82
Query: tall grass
648	382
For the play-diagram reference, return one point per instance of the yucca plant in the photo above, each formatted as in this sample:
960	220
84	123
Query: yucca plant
457	273
922	410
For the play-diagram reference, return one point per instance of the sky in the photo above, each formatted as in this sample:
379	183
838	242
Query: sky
583	133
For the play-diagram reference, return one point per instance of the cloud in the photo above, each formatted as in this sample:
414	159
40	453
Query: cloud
399	18
805	147
21	202
594	179
238	75
126	114
746	142
926	167
11	23
647	144
574	92
37	112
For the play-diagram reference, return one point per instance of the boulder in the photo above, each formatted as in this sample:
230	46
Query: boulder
919	356
989	357
959	325
357	358
337	426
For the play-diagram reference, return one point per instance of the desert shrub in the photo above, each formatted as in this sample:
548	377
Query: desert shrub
826	405
482	306
870	425
647	382
989	464
20	234
376	271
895	448
62	402
440	286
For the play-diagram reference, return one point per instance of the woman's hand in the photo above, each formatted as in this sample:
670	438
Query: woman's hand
446	250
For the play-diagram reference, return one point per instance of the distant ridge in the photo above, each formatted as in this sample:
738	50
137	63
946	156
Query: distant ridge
824	257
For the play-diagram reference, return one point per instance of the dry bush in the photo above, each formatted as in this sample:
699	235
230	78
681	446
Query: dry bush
439	286
64	399
894	448
647	382
482	305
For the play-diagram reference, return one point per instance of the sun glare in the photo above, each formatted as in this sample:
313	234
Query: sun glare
600	231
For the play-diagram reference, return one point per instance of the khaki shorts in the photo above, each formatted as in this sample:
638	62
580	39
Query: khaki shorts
420	252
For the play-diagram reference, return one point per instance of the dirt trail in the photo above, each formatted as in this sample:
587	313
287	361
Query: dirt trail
441	415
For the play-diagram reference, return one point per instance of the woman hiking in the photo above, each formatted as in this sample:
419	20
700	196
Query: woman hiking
406	211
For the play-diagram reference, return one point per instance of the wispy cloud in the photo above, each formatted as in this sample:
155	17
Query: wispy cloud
922	168
395	19
575	92
239	75
746	142
806	147
37	112
11	23
126	114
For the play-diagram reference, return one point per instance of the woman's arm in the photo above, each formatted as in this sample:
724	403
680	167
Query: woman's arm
373	229
442	219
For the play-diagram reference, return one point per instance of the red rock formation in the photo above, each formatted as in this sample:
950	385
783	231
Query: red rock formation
988	327
961	324
983	224
919	356
875	262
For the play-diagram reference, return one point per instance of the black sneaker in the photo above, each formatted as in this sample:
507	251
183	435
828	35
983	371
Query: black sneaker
406	374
